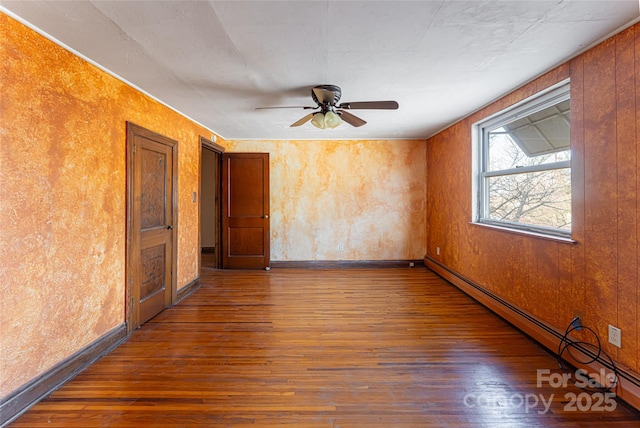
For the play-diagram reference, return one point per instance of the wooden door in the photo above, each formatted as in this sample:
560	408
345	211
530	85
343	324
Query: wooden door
151	213
245	220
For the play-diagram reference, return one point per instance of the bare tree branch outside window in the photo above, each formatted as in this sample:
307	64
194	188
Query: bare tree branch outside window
541	198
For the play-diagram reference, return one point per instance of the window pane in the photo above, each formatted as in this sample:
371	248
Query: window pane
539	198
505	153
542	131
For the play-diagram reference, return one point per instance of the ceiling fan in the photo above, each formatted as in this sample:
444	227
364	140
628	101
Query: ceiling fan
330	113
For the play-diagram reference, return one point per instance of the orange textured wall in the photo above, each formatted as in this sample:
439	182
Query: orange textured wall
367	195
598	276
62	200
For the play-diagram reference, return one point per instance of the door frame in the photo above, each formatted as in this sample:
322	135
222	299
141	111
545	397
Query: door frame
132	257
206	144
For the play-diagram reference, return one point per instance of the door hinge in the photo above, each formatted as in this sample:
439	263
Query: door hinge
134	149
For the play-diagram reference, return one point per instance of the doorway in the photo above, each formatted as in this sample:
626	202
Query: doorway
152	201
210	255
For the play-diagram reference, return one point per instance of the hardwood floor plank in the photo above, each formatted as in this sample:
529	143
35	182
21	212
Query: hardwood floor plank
393	347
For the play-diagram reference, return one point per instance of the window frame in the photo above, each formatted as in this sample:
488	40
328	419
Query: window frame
480	203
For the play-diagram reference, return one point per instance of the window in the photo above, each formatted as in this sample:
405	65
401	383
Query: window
524	166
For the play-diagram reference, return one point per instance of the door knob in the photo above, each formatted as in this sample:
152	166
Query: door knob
170	227
265	216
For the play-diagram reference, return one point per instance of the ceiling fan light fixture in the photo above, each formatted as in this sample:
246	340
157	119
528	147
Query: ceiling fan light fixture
327	120
318	120
332	120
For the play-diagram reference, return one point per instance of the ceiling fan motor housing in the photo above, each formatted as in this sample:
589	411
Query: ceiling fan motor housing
337	93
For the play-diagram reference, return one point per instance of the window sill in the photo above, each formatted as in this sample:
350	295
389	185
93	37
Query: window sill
554	238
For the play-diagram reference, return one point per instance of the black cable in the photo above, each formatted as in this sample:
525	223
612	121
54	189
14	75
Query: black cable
568	344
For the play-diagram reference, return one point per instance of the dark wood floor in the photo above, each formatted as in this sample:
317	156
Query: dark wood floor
322	348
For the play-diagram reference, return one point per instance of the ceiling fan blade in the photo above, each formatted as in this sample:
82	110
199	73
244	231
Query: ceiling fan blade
371	105
324	96
302	121
351	119
272	107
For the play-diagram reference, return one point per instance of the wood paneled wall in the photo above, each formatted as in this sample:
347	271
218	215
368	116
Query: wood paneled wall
597	277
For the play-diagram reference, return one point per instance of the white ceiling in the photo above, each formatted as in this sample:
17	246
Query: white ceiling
216	61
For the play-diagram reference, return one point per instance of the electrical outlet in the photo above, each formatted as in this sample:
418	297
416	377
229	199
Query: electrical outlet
615	336
437	251
575	323
341	247
411	264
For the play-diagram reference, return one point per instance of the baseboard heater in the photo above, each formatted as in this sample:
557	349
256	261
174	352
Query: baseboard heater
628	388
